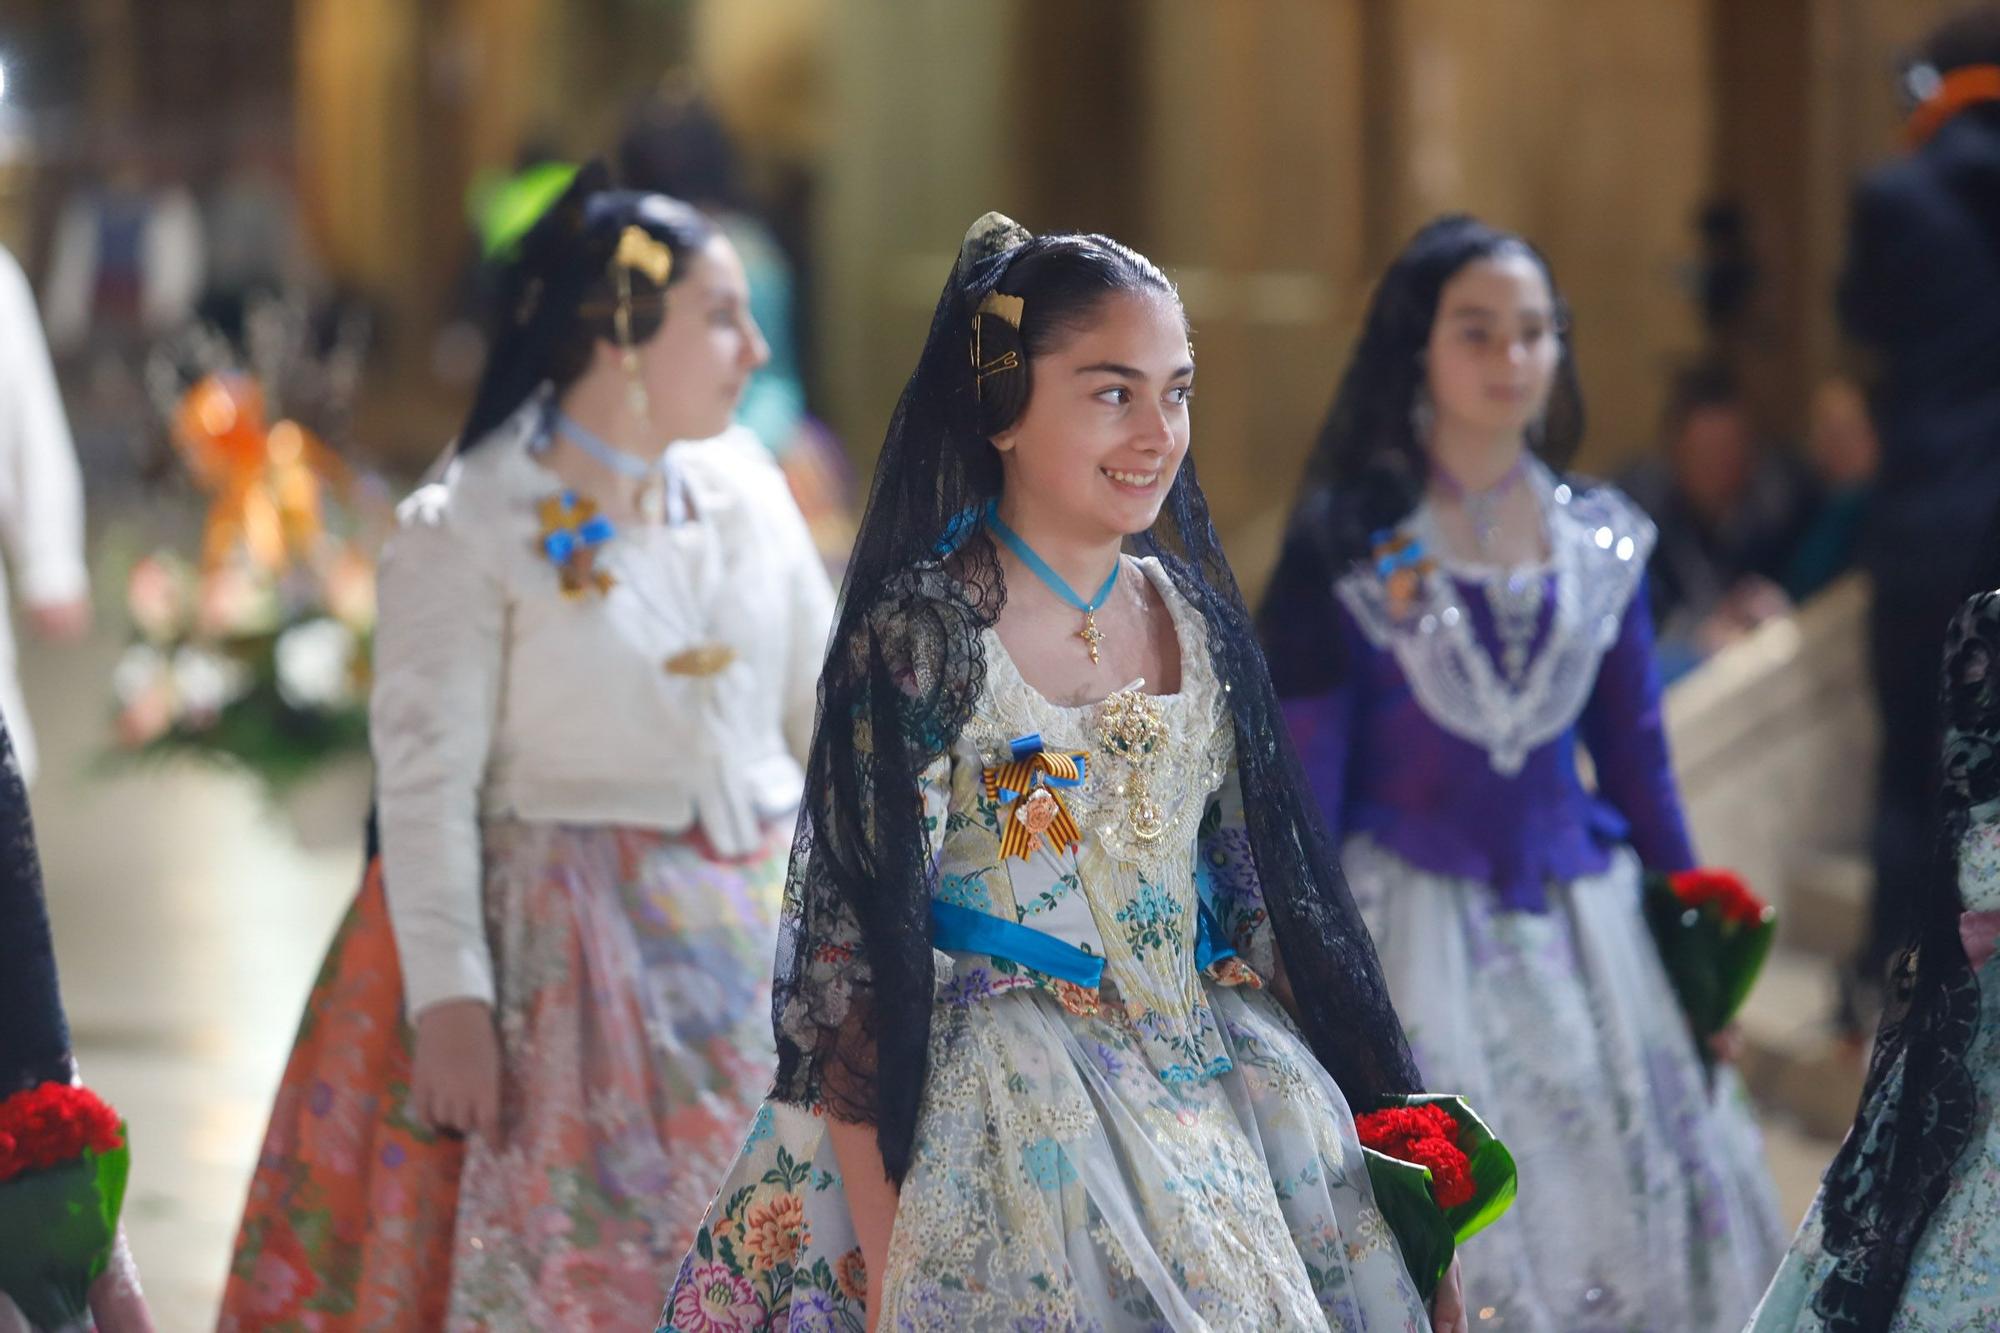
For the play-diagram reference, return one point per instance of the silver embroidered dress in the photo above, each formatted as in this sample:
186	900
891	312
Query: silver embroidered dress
1120	1128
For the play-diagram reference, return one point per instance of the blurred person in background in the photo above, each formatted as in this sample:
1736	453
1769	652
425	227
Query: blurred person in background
254	239
1728	279
1921	291
530	1053
1844	453
126	259
1453	617
125	268
1729	510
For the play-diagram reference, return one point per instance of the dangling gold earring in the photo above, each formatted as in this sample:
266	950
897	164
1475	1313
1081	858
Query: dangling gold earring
651	500
636	401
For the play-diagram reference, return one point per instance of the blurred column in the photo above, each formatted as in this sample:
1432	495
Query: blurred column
926	102
111	38
1252	168
361	125
1765	155
496	52
397	105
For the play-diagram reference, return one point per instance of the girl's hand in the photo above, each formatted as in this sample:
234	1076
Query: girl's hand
116	1303
1448	1304
61	622
871	1201
455	1086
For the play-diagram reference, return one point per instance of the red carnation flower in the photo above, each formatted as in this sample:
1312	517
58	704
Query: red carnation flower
1392	1130
1721	889
53	1124
1427	1135
1451	1170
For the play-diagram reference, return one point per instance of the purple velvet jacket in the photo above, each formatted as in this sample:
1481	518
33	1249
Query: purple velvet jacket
1436	750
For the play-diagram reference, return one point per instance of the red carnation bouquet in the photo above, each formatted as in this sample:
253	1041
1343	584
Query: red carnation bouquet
63	1167
1440	1177
1713	935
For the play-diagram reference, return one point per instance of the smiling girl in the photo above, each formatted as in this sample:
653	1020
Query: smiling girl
1068	1029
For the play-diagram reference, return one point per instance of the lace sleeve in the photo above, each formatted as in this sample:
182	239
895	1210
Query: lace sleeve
825	1047
34	1040
1972	749
855	972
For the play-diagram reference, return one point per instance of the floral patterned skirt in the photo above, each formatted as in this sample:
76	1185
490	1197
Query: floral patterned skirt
1954	1277
633	971
1645	1202
1059	1183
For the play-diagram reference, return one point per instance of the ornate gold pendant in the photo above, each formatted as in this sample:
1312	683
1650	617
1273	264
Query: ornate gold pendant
1090	635
1131	726
1144	817
704	659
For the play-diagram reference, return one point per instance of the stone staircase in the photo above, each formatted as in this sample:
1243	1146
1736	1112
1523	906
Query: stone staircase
1774	743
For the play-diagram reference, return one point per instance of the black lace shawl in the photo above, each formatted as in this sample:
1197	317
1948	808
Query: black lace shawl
855	977
1918	1104
34	1040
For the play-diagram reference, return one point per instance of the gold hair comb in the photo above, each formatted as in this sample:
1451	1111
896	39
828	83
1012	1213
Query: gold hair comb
640	250
1002	306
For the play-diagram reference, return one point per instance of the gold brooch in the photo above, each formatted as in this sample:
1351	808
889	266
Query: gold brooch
573	532
1131	725
1402	563
705	659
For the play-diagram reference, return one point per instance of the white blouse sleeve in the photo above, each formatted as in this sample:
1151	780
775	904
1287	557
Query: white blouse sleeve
438	664
43	491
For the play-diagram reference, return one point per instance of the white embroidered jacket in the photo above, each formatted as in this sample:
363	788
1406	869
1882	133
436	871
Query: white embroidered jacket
498	696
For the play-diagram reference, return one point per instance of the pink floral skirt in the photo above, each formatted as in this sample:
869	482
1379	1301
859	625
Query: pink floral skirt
633	971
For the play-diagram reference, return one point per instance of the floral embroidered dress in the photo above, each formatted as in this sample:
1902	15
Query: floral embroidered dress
1954	1272
1504	899
1121	1128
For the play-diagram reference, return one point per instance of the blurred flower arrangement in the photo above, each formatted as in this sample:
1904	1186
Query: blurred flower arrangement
254	650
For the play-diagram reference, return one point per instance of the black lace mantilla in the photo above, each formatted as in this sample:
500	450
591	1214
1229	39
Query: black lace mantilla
34	1041
855	978
1917	1107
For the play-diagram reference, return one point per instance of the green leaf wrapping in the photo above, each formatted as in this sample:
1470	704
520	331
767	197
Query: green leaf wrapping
57	1227
1403	1193
1711	961
1427	1234
1494	1177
